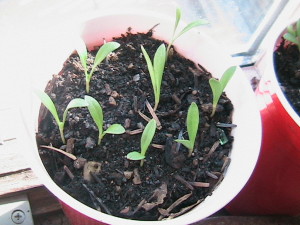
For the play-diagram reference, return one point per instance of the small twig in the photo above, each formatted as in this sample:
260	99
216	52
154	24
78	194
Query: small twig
176	99
135	108
166	212
95	202
6	140
230	125
98	199
203	69
139	206
70	145
144	116
68	171
133	132
183	181
211	151
200	184
218	182
158	146
211	175
169	113
71	156
154	116
226	163
97	179
184	210
152	28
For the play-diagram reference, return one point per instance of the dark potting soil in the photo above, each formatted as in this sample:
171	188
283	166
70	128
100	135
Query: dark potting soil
122	85
287	67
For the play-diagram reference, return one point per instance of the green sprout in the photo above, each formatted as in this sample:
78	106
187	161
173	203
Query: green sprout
46	100
96	112
192	123
218	86
293	34
102	53
185	29
146	139
156	70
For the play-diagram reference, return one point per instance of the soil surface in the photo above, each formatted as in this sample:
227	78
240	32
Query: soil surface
287	67
169	183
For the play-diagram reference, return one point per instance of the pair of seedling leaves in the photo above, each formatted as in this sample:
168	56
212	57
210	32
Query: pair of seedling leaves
94	108
156	70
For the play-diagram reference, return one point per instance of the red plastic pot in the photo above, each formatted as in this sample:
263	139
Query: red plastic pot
274	187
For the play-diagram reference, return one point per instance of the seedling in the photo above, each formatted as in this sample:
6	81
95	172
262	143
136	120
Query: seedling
46	100
156	70
96	112
185	29
293	34
146	139
218	86
192	123
102	53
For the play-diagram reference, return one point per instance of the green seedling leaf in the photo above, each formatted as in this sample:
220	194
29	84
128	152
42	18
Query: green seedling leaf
290	30
75	103
48	103
293	34
150	67
177	20
290	37
190	26
102	53
192	122
184	30
46	100
218	86
159	66
147	136
135	156
146	139
115	129
156	70
96	112
187	143
83	54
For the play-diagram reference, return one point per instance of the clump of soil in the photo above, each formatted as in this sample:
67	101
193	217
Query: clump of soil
287	67
169	183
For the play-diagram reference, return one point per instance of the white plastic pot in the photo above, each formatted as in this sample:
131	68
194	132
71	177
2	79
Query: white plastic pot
193	45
